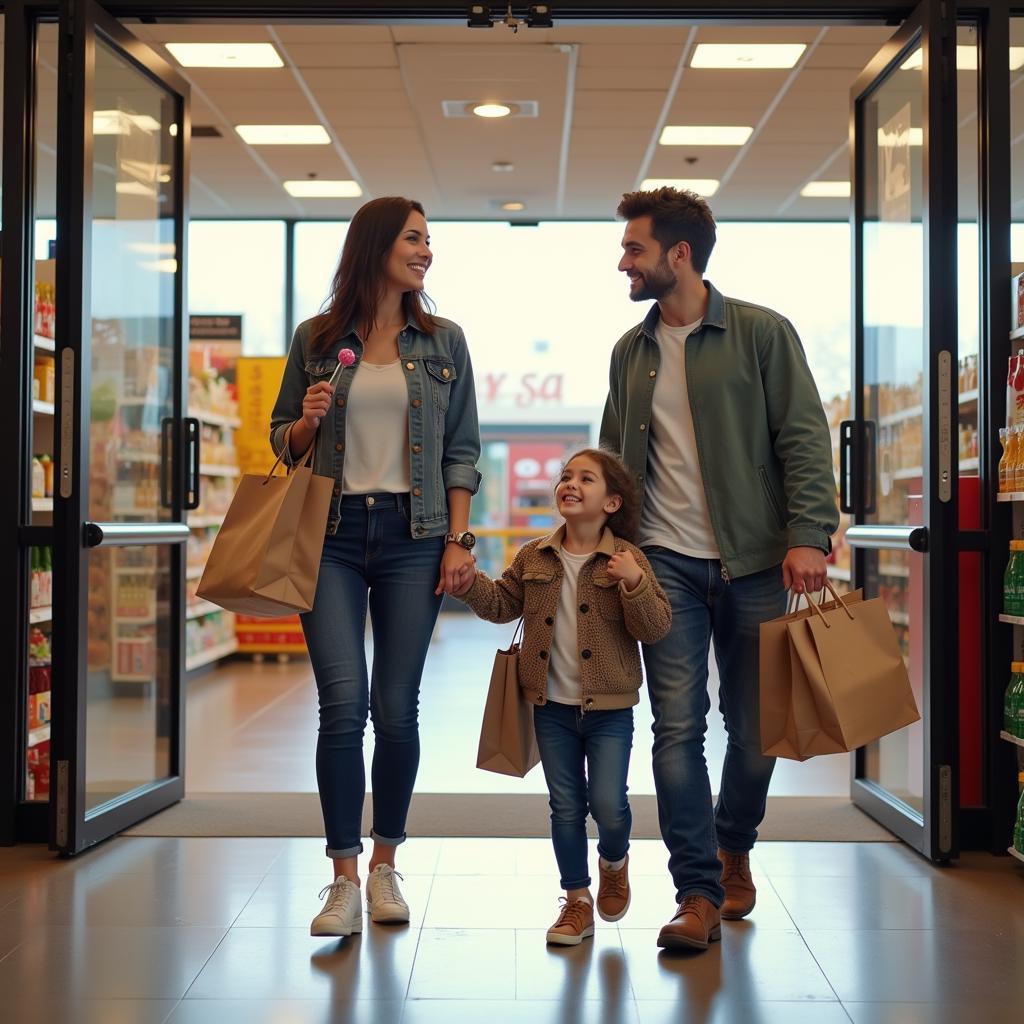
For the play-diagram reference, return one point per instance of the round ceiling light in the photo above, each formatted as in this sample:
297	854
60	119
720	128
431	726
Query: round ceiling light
491	109
514	206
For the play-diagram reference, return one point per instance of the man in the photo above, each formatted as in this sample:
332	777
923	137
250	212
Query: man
713	407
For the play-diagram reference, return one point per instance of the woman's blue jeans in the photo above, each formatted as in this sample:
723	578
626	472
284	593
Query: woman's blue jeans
586	760
372	559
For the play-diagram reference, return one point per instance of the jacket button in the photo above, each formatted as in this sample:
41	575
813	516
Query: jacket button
417	491
543	655
337	490
416	403
446	372
339	447
585	653
643	426
584	607
548	621
340	403
589	701
419	530
417	448
654	373
410	366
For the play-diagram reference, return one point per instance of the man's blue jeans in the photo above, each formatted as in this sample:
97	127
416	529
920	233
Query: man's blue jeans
586	760
704	606
372	556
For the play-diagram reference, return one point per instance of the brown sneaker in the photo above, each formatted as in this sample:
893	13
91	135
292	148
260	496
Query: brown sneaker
613	892
696	925
740	894
575	923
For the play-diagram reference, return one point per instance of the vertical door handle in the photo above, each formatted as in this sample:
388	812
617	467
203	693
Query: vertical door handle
846	436
190	446
166	462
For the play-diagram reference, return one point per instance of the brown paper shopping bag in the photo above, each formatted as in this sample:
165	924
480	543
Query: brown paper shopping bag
832	679
266	557
508	744
789	718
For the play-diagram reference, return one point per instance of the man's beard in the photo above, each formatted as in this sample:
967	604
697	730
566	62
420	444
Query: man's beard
655	285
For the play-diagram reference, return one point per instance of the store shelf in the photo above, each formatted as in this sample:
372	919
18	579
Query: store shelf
1014	853
900	571
116	677
914	412
899	618
40	735
1010	738
1017	334
916	473
216	419
43	408
197	609
969	397
1013	620
44	613
149	458
843	575
43	343
201	522
1010	496
193	572
971	463
42	504
206	469
210	655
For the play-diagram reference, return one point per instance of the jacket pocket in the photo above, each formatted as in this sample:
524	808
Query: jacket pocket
320	369
441	375
536	583
769	494
608	602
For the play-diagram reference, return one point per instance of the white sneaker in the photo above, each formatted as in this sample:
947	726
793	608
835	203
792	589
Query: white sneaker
342	913
383	897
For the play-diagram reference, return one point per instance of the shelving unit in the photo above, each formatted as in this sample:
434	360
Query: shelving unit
1015	740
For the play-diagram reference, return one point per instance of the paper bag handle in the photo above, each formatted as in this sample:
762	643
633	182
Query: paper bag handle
839	600
304	460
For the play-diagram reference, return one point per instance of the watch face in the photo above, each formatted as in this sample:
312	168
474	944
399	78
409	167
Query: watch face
468	539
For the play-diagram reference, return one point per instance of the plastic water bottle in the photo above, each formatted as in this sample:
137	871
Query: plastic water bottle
1018	828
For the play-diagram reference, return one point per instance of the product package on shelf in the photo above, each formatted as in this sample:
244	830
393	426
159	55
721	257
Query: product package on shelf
37	756
214	351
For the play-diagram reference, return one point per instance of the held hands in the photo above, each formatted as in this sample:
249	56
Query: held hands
804	570
458	570
315	404
623	566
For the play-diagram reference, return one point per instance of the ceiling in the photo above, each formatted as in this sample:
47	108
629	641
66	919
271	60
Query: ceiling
603	95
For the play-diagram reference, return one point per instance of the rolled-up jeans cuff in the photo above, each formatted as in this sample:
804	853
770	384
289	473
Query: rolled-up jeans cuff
385	841
350	851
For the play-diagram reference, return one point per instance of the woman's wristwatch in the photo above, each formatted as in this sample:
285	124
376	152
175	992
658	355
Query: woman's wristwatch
464	539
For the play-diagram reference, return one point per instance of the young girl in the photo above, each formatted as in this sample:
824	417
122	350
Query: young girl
587	595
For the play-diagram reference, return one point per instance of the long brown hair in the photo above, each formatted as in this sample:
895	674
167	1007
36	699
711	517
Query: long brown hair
618	480
358	283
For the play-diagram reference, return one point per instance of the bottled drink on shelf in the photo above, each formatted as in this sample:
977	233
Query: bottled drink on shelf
1013	701
1018	828
1017	463
1004	440
1013	580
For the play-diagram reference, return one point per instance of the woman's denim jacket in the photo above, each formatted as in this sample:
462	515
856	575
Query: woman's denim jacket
444	434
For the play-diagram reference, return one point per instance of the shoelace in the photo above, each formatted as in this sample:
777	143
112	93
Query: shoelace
734	865
339	894
387	883
614	882
573	914
691	905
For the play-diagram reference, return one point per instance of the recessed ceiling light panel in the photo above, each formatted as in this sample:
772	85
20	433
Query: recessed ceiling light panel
702	186
704	135
747	55
317	188
966	59
826	190
225	55
283	134
469	108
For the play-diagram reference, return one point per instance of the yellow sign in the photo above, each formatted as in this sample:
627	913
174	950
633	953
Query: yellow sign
259	380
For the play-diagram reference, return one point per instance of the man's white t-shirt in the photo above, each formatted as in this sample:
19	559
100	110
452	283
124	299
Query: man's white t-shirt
564	684
675	513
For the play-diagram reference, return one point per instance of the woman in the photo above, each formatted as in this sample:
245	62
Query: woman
399	435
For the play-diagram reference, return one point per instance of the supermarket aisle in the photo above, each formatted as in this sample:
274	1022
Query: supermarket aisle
215	931
252	728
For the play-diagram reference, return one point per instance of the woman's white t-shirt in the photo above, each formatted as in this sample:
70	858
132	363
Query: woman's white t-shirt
377	430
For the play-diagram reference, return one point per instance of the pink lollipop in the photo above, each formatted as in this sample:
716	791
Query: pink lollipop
346	357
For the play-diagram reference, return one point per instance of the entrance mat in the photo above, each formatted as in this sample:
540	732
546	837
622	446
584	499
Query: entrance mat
789	818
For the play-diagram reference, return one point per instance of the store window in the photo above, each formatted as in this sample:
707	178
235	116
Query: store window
239	267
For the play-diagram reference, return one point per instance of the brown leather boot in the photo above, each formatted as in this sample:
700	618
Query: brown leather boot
613	893
696	925
740	894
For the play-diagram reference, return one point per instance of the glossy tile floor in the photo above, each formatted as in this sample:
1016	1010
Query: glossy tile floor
252	727
215	931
